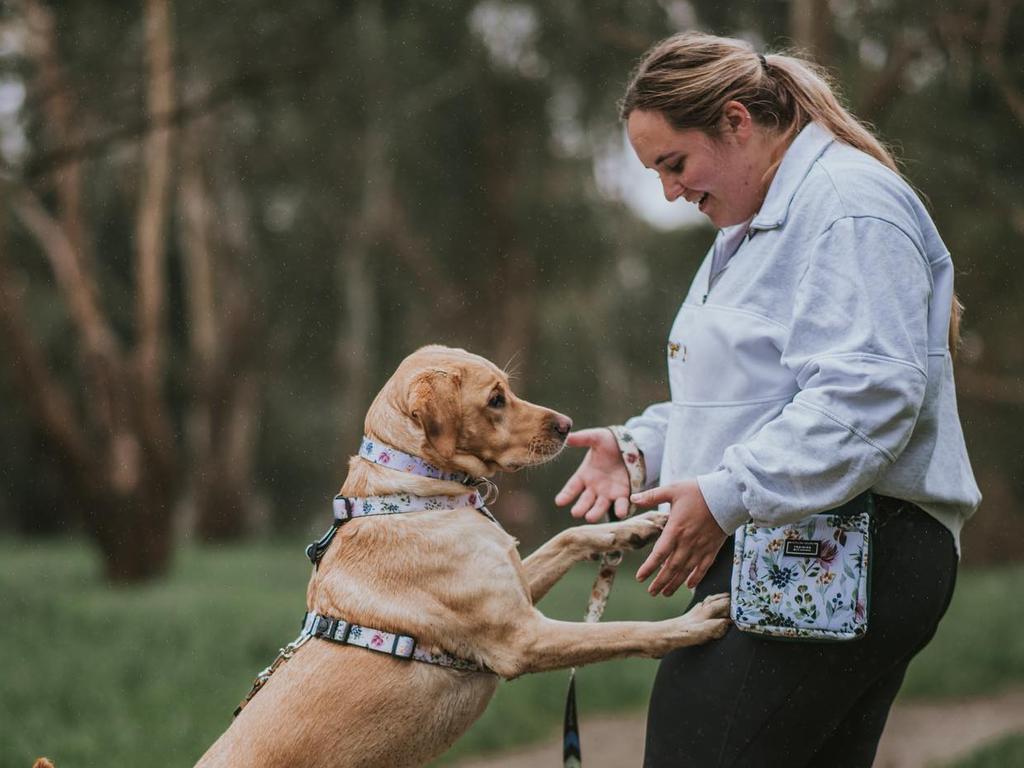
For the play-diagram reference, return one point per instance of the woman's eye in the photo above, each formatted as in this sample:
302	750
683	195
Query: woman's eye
675	168
497	400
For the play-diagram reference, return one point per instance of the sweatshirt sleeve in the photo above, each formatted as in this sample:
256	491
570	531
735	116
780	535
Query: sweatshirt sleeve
648	430
858	346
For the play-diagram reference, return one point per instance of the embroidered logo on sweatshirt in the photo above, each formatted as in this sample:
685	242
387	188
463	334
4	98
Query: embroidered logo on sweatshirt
677	351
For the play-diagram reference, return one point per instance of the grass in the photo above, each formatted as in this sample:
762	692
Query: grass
149	675
1003	753
979	647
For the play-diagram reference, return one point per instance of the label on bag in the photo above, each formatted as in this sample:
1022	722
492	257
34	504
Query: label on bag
802	548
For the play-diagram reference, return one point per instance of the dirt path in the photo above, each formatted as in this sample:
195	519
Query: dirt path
917	735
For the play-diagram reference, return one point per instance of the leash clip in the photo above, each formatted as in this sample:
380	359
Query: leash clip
283	655
487	490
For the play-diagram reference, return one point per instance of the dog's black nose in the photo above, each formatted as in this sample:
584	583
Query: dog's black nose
561	425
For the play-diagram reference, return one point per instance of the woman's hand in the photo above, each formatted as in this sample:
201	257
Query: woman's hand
600	481
689	543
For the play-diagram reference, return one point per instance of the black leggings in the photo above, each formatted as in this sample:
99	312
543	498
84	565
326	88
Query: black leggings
747	700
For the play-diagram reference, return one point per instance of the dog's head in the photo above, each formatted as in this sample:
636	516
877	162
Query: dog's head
456	410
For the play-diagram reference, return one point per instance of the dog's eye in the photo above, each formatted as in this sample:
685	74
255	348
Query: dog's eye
497	401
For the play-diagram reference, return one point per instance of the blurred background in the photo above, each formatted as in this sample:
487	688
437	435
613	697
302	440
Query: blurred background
225	223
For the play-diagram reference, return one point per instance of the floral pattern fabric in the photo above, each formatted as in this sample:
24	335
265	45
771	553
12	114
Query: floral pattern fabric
402	646
364	506
632	458
392	458
806	580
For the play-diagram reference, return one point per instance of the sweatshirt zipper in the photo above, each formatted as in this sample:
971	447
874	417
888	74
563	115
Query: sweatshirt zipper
713	278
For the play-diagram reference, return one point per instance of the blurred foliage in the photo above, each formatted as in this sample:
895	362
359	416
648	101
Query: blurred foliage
424	171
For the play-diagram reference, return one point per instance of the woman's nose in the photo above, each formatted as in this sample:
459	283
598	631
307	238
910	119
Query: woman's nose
672	189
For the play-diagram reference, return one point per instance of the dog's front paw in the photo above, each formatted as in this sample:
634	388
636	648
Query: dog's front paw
711	607
654	516
714	629
639	531
705	622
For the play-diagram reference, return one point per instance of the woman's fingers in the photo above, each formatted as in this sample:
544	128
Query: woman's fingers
671	572
649	565
599	510
583	503
571	490
698	573
586	438
621	508
659	553
671	575
652	497
669	580
674	586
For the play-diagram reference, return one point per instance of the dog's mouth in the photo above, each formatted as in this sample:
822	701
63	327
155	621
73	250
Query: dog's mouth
539	451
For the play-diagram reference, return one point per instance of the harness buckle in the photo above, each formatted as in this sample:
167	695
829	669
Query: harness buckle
404	646
342	509
339	633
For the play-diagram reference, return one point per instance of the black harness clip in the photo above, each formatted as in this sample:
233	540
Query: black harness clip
316	550
342	512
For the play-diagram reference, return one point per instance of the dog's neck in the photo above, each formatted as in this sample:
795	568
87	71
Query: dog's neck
367	478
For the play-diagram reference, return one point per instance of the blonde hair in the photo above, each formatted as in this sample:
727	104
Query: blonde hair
691	76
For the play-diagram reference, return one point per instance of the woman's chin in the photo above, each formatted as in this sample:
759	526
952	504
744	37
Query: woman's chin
723	220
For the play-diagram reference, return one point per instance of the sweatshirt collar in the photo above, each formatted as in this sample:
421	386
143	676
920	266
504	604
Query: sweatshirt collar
801	155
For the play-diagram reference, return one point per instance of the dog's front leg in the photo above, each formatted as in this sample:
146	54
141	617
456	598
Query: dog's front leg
549	563
543	644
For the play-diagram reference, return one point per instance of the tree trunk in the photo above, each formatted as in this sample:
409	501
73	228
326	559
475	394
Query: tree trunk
354	356
118	452
224	402
810	24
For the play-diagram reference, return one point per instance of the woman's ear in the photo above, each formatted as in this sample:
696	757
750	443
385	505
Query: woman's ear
434	403
736	120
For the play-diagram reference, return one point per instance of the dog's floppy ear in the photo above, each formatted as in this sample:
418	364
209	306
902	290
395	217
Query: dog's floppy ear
434	402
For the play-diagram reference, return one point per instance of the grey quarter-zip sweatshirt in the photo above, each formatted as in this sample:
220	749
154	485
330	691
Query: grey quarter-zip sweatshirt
809	361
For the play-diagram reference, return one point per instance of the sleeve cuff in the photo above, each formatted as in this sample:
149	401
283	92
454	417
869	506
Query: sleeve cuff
724	499
649	443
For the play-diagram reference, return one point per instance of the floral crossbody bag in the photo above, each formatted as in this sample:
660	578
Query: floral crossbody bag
807	580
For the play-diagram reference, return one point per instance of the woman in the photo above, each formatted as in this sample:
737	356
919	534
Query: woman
809	363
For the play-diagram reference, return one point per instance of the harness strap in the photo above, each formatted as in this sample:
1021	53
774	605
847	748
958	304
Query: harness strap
346	508
346	633
340	631
401	646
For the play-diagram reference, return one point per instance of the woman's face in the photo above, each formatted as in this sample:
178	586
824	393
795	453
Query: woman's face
724	176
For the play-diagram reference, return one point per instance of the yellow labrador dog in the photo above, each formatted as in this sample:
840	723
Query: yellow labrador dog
447	581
